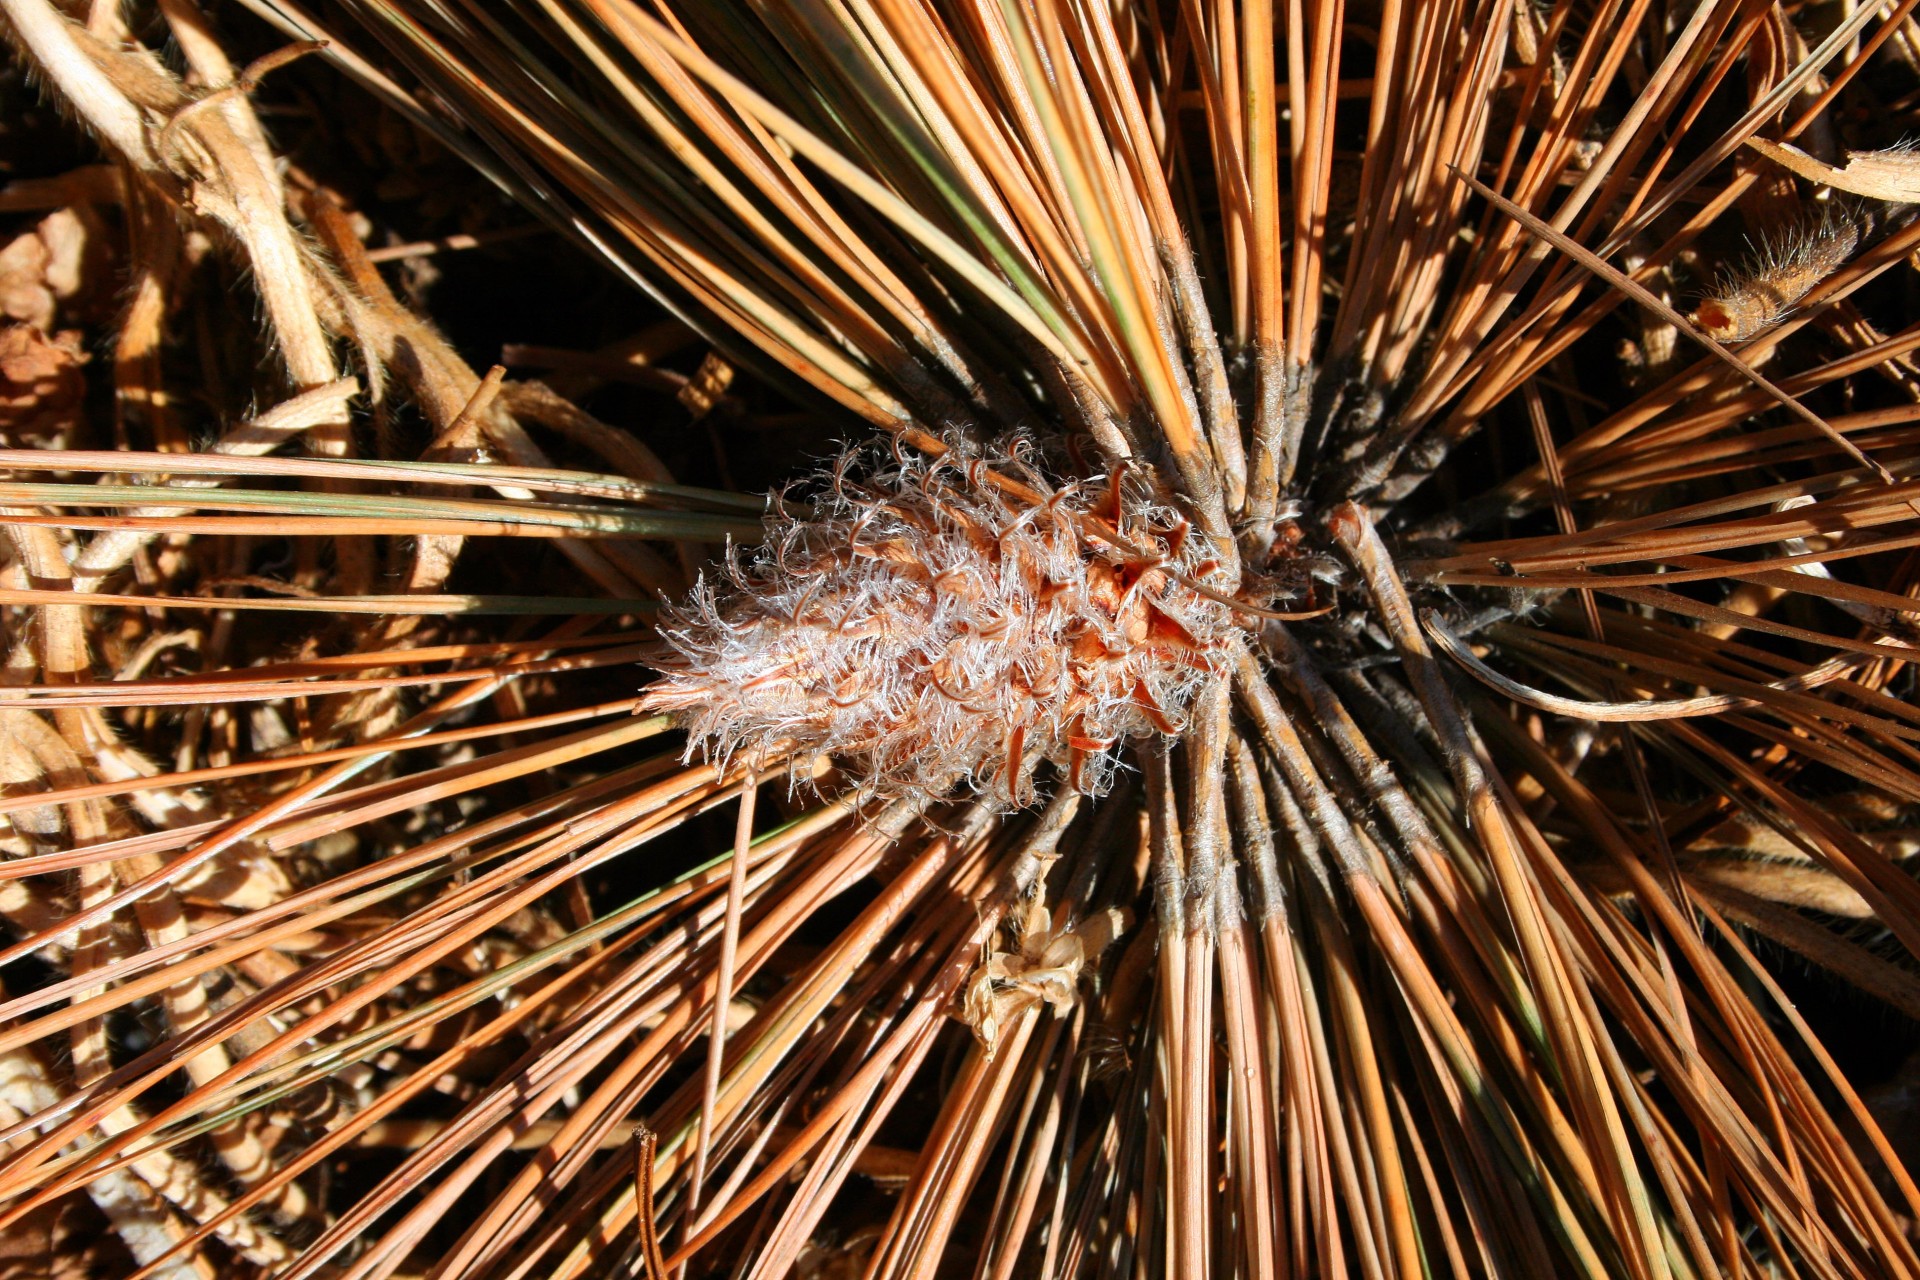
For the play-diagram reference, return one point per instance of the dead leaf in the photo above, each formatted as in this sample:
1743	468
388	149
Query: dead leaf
1892	175
42	268
41	387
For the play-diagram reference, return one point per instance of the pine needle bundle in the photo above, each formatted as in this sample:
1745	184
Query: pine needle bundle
1355	671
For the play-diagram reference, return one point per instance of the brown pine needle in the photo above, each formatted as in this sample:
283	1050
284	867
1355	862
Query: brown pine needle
1148	891
1626	284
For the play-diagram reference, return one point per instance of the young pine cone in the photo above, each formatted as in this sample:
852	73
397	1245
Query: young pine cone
932	631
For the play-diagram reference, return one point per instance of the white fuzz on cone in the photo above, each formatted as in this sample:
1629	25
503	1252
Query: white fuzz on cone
931	632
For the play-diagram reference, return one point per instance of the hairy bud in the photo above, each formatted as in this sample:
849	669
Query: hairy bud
1789	266
932	632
